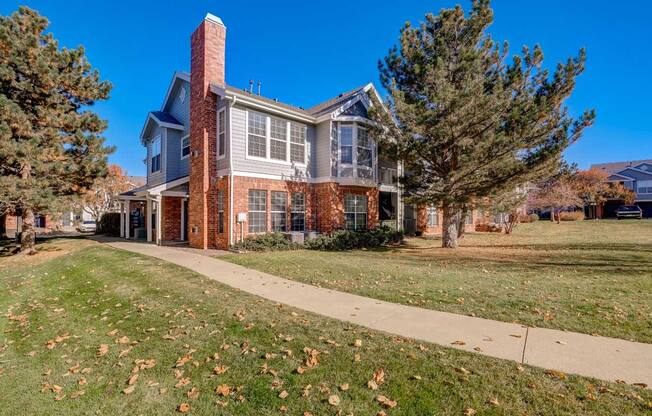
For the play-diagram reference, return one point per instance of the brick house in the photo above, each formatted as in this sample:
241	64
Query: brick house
635	175
224	163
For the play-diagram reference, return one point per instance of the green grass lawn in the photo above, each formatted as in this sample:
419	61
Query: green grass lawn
591	276
80	321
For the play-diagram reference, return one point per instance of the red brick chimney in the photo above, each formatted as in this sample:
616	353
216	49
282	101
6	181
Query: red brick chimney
207	46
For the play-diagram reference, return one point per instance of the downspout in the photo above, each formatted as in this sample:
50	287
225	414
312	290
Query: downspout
231	193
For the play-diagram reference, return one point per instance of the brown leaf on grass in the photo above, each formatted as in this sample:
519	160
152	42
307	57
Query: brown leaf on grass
81	381
357	358
132	379
462	370
77	393
182	382
458	342
379	376
193	393
305	392
112	333
469	411
183	408
357	343
56	389
181	361
312	358
334	400
223	390
129	389
102	350
59	397
494	401
344	387
124	352
641	385
387	402
300	370
220	369
122	340
557	374
86	370
145	364
283	394
372	385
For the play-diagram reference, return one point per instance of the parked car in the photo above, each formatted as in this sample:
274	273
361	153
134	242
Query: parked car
87	226
629	211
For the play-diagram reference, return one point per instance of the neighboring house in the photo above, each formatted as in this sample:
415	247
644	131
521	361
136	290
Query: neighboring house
11	224
635	175
224	163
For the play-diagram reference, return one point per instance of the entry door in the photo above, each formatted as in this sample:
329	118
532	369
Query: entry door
410	219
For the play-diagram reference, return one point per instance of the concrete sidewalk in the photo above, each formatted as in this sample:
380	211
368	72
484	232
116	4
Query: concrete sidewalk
604	358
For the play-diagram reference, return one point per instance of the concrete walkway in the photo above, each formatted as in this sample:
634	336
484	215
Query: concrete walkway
600	357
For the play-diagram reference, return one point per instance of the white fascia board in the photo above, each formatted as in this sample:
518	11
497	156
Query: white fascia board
164	186
177	75
251	101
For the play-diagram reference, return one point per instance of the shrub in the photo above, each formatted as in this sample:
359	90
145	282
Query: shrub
266	242
571	216
351	240
522	218
109	224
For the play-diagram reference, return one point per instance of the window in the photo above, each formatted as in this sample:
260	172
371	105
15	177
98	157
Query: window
257	211
156	154
279	210
346	145
257	140
355	212
185	147
469	218
298	143
298	212
356	152
364	155
433	218
278	139
220	211
221	133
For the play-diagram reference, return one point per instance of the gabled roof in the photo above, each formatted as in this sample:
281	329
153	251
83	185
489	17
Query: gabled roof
163	117
618	177
614	167
335	102
634	170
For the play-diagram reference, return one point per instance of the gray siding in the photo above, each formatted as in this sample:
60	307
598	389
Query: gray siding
155	178
241	163
176	167
177	108
322	149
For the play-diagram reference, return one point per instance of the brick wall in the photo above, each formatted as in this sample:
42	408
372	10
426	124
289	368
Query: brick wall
422	221
207	53
241	187
171	218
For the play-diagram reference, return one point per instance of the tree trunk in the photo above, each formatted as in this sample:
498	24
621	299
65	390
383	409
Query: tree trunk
461	223
28	234
450	226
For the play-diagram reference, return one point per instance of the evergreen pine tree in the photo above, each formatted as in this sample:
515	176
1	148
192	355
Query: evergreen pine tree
466	121
50	143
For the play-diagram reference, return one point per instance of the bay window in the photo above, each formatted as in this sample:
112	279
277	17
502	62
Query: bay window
356	152
355	212
279	210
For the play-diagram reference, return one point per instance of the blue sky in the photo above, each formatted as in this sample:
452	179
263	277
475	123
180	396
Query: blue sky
304	52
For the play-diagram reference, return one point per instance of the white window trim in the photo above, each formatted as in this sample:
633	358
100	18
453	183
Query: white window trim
152	155
268	139
354	150
223	110
181	149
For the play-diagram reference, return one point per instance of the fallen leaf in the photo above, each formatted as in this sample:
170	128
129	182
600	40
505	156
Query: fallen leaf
223	390
344	387
102	350
334	400
132	379
494	401
283	394
357	343
372	385
220	369
469	411
129	389
379	376
183	408
557	374
386	401
193	393
458	342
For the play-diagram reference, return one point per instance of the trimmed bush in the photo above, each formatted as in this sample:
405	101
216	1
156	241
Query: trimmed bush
528	218
352	240
266	242
109	224
571	216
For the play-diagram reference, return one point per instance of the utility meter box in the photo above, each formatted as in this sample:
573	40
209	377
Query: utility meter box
242	216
